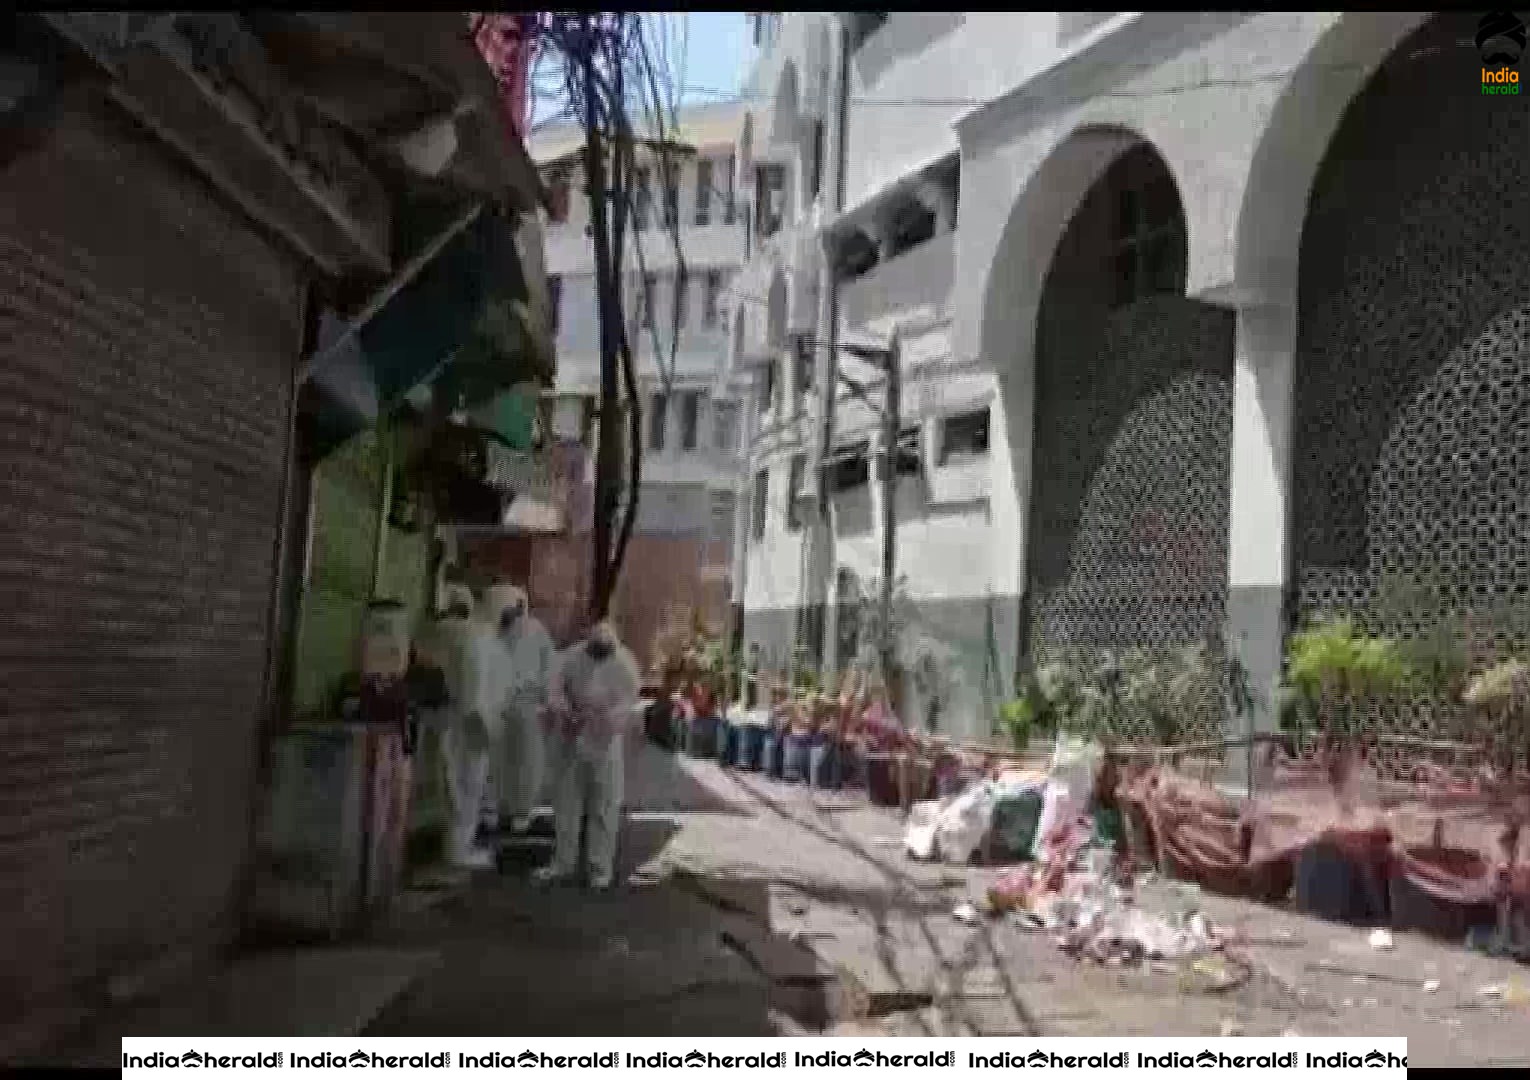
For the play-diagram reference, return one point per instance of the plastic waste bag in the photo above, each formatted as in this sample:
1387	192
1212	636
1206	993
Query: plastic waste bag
919	837
964	823
1070	780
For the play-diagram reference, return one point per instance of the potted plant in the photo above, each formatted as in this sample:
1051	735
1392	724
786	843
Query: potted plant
1017	720
1339	669
1501	698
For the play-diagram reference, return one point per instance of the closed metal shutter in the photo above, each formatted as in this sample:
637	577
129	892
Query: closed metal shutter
147	341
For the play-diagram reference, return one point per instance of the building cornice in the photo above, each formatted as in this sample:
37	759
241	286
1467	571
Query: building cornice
1131	44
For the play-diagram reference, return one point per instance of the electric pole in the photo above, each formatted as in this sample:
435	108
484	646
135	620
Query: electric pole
892	424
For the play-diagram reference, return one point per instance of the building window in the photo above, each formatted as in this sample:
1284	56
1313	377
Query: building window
703	191
794	492
964	437
658	406
767	386
590	416
560	188
1151	250
671	195
554	300
682	293
725	425
770	194
690	420
802	357
711	294
816	185
645	300
760	503
642	198
912	225
730	209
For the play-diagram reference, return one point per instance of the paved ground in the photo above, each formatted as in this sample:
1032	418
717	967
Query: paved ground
756	907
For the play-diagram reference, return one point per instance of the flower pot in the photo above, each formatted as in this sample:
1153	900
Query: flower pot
823	765
796	750
752	747
727	744
852	766
882	778
1343	882
773	749
1443	891
701	741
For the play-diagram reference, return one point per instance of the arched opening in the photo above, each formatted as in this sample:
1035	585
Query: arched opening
1130	468
1411	447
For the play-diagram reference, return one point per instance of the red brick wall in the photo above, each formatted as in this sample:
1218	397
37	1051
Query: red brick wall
662	579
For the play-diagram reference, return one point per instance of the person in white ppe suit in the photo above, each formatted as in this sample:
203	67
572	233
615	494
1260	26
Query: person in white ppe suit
473	662
591	704
520	756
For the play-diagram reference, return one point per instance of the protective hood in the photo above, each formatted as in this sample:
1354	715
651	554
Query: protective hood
601	641
497	600
458	602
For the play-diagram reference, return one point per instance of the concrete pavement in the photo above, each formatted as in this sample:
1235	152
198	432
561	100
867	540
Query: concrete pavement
760	907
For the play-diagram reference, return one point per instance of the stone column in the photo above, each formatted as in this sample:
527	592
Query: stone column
1259	524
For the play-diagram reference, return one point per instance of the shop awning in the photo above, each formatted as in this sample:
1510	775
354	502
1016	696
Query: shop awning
456	317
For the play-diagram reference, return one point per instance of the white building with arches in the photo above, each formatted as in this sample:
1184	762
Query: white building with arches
1244	294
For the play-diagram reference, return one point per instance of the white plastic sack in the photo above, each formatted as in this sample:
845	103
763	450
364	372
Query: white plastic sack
1074	764
964	823
919	837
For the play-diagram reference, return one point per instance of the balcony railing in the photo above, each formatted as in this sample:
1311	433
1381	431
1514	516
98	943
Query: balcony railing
919	278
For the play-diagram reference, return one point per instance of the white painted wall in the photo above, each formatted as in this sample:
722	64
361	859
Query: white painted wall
700	363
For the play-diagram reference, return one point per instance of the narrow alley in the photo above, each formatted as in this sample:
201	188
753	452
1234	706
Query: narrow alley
755	907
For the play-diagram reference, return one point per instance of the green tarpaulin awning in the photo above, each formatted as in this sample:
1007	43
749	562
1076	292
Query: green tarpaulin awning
456	317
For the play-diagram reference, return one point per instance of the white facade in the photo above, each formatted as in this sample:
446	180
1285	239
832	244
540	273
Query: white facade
971	140
691	416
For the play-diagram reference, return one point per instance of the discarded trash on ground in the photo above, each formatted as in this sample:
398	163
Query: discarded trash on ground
966	913
1381	939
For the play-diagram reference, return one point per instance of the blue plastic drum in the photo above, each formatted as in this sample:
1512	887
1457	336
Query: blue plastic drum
823	765
751	747
775	755
797	751
727	744
702	742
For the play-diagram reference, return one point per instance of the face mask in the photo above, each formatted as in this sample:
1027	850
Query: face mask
509	617
599	648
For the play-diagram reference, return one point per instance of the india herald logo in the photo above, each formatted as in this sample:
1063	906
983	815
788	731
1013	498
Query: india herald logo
1500	43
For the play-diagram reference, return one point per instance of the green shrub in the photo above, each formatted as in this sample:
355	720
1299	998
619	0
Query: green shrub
1334	667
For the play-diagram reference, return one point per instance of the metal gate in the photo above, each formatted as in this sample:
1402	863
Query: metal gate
147	341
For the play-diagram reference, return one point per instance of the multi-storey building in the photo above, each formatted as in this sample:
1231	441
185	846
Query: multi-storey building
679	562
1226	328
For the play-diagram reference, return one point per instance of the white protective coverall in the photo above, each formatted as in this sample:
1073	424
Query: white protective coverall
520	758
590	706
475	682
